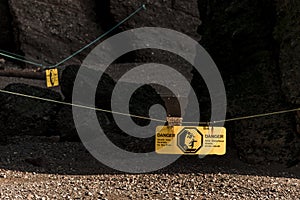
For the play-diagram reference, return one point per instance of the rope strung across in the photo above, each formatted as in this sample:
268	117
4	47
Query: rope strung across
35	63
147	118
19	58
77	105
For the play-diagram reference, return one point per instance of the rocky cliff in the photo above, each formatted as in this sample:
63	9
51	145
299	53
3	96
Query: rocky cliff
254	43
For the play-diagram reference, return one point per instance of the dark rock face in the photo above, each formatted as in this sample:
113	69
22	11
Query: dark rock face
178	15
239	36
64	124
140	102
49	31
287	34
254	43
67	79
25	116
6	31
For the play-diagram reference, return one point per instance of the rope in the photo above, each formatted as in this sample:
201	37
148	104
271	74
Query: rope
7	52
143	7
250	116
22	59
259	115
147	118
79	106
18	58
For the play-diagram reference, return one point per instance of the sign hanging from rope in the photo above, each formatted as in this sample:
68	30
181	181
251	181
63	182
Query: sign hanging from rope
189	140
52	78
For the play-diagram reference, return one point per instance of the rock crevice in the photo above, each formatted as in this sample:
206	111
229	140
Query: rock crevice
6	27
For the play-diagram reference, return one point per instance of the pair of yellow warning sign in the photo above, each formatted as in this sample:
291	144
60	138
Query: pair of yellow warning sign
176	139
190	140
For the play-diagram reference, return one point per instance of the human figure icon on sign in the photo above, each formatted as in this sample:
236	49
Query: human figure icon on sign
52	77
190	141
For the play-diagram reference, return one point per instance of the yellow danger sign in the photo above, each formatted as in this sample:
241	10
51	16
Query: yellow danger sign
190	140
52	78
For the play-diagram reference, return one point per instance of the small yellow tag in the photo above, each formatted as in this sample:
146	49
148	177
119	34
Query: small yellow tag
52	77
190	140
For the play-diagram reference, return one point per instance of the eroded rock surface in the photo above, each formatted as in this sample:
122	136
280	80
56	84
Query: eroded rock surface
49	31
178	15
26	116
239	36
287	33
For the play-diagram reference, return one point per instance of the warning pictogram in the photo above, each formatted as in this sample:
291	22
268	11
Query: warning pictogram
190	140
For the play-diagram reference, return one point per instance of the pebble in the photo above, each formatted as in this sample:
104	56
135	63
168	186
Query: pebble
175	182
2	176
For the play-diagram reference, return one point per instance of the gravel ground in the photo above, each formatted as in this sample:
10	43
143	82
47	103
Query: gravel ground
150	186
43	168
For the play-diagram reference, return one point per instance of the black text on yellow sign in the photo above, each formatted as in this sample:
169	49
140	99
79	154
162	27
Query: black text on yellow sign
190	140
52	78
